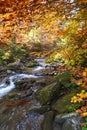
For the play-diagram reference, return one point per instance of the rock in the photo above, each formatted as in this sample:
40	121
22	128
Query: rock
17	67
41	110
3	72
64	105
69	121
9	71
48	120
32	64
48	93
41	82
24	84
71	124
12	96
61	118
7	81
26	94
57	127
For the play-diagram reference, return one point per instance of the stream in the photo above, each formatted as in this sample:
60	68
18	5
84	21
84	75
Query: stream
19	117
7	87
7	84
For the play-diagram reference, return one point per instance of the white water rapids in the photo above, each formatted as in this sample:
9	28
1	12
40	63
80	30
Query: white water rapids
7	87
42	65
7	84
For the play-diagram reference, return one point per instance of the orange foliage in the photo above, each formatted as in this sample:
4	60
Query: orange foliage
13	13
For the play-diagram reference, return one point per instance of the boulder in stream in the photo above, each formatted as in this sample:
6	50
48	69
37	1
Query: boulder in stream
24	84
31	64
16	66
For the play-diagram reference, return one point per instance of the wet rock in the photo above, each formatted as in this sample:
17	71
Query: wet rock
16	95
48	120
69	121
7	81
24	84
48	93
9	72
64	105
26	94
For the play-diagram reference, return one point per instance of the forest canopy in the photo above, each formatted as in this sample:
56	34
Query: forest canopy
58	22
53	17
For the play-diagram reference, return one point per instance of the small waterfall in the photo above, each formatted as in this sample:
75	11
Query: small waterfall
42	65
5	88
8	83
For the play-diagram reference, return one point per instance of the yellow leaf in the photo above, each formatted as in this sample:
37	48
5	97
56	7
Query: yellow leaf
78	111
83	91
84	74
79	82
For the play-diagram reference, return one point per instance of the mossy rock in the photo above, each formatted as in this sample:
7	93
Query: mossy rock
32	64
64	105
15	66
11	96
48	93
48	120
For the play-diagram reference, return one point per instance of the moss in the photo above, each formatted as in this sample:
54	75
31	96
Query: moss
48	120
64	105
31	64
11	96
48	93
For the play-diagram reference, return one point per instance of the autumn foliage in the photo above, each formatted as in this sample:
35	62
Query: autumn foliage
60	23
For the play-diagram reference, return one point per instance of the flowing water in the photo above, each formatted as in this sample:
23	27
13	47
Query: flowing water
7	84
19	117
7	87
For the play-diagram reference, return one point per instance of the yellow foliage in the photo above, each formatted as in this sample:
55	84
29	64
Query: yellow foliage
83	78
80	97
84	73
7	55
79	82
